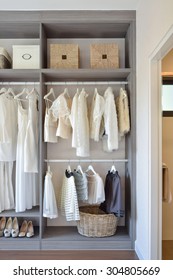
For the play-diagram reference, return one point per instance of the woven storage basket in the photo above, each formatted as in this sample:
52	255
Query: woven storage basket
64	56
5	59
96	223
104	56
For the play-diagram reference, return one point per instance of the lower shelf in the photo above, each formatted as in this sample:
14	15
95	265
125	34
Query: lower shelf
21	243
67	238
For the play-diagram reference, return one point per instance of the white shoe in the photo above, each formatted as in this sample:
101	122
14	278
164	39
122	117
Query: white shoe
8	228
30	231
2	225
23	229
15	228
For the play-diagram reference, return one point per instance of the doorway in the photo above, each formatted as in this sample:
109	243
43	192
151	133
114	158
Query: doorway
155	145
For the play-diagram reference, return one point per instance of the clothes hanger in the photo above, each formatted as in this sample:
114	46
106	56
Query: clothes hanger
113	169
3	90
90	168
66	92
33	91
24	91
79	168
10	93
51	92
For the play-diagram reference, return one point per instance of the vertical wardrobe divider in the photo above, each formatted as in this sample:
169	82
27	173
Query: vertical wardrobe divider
76	27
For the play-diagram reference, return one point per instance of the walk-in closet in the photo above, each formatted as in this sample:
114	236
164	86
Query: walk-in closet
82	28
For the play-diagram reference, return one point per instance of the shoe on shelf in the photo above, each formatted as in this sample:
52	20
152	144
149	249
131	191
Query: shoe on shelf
30	231
8	228
2	226
23	229
15	228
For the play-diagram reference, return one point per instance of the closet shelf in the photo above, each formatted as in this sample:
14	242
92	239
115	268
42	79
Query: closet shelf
27	75
34	212
120	74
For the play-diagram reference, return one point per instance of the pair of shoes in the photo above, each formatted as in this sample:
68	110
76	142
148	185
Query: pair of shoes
26	229
2	226
11	227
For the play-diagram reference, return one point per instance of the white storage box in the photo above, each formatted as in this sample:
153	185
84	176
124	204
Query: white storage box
26	57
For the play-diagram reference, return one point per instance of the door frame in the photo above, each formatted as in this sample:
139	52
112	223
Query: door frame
155	145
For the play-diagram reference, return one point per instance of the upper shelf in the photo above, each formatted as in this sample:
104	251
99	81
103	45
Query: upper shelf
7	75
120	74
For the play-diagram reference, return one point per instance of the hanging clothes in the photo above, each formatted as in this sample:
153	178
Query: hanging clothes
49	200
50	127
83	147
96	114
61	111
123	112
68	201
110	138
6	186
74	119
31	137
96	193
8	128
26	183
113	195
81	185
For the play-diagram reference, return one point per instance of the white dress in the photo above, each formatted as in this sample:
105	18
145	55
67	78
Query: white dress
26	183
74	119
49	200
110	140
31	137
6	187
8	140
123	112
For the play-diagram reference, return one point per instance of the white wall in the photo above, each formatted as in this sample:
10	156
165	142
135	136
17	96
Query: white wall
68	5
154	19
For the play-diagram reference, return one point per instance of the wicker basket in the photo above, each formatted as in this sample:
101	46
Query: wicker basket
104	56
5	59
95	223
64	56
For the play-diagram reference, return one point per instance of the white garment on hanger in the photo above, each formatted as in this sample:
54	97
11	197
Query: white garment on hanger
49	200
83	147
96	193
110	140
61	111
27	188
31	137
68	201
50	127
8	128
96	114
6	187
74	119
123	112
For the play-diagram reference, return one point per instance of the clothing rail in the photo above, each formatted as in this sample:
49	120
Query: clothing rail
85	83
85	160
19	83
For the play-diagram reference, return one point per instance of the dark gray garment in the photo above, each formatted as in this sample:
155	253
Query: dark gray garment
113	195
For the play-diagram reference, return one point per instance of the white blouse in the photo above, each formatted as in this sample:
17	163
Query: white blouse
61	111
96	193
123	112
110	120
96	114
50	127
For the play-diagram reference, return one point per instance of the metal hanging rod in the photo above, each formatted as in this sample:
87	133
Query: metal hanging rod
85	83
19	83
85	160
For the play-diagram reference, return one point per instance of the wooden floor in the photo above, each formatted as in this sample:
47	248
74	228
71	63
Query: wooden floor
167	249
68	255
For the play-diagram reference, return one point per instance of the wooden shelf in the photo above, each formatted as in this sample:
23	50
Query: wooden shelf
34	212
69	238
18	75
120	74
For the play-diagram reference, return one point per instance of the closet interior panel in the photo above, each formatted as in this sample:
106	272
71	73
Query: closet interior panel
82	28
